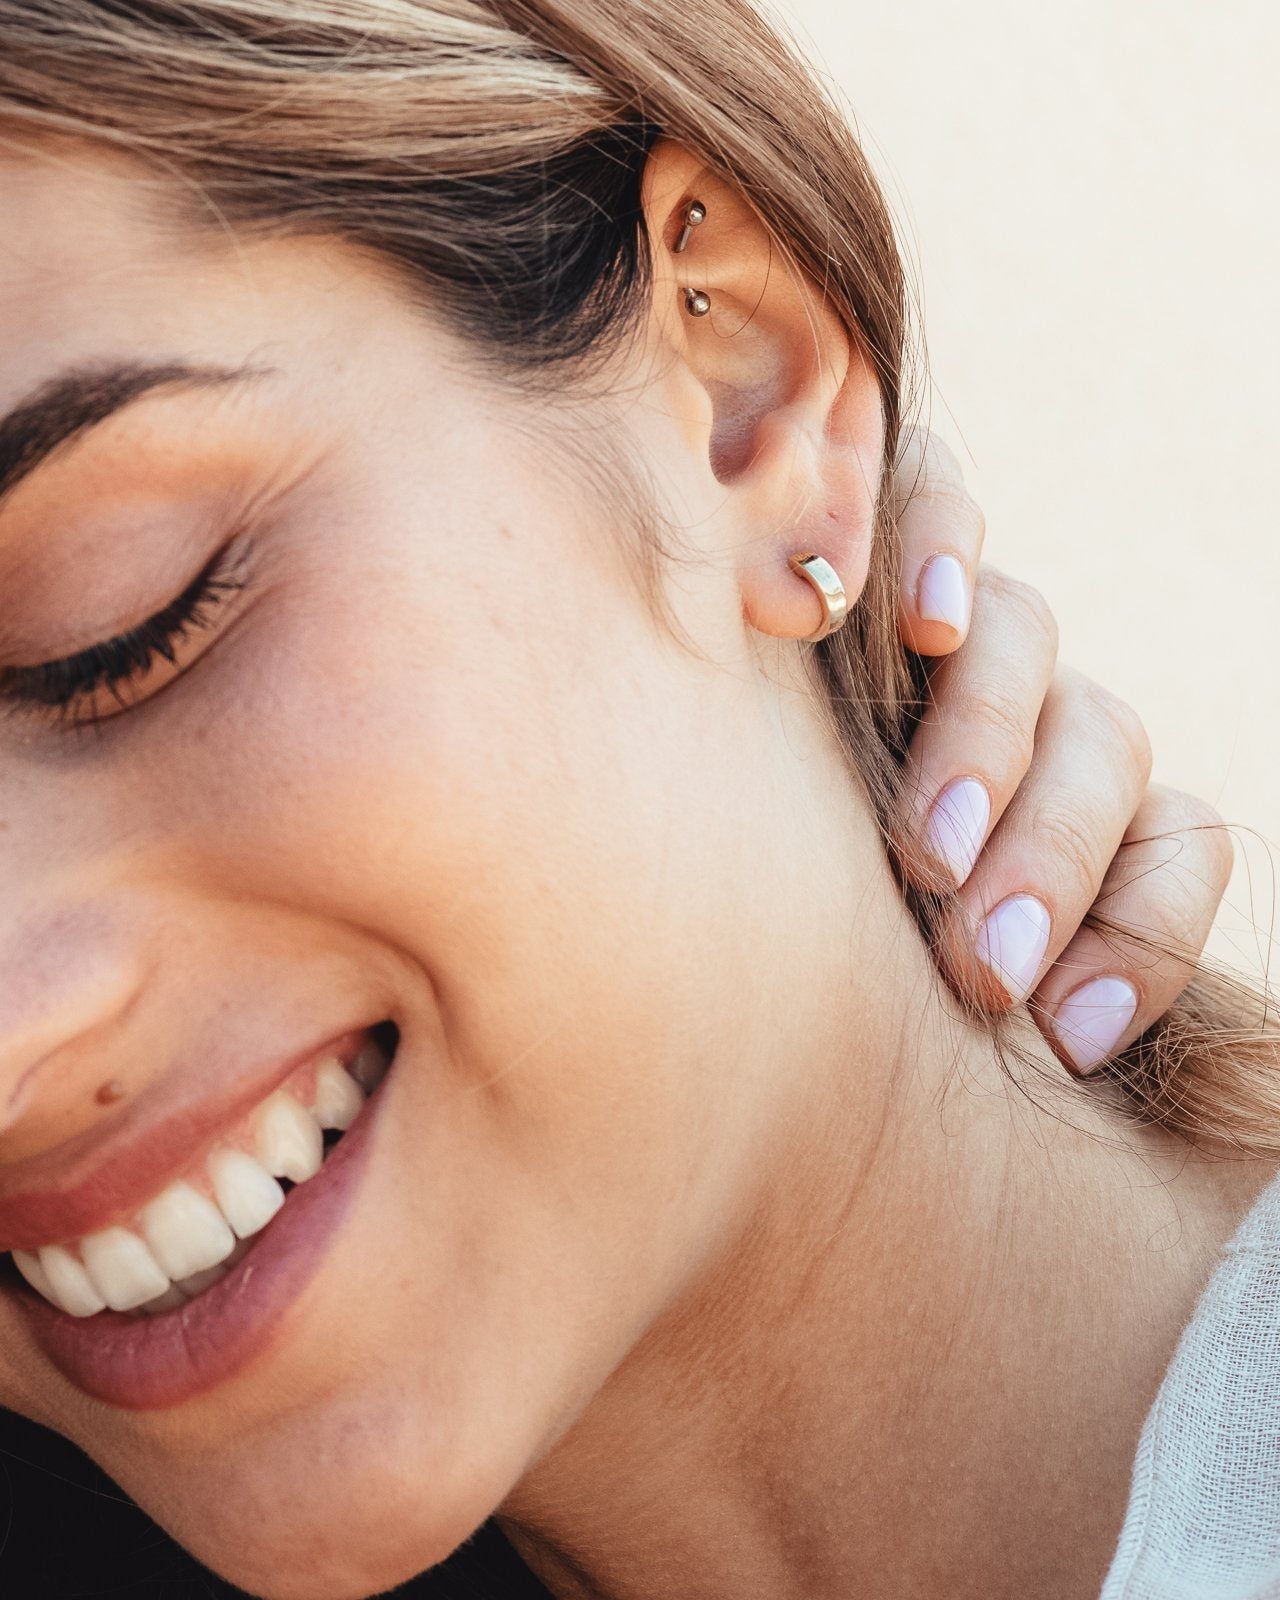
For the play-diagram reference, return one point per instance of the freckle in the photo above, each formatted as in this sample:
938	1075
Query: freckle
109	1093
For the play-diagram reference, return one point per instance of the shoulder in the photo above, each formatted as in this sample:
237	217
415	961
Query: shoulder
1205	1496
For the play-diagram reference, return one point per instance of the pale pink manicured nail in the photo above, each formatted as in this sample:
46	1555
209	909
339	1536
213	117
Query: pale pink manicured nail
958	824
1092	1020
942	594
1013	940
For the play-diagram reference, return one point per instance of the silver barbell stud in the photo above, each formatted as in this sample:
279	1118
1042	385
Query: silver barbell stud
695	214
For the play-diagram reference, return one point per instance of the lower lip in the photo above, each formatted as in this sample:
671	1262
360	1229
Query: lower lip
146	1363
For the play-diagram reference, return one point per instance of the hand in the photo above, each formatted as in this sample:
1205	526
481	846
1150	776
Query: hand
1027	784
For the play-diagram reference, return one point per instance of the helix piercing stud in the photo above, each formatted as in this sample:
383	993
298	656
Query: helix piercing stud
695	213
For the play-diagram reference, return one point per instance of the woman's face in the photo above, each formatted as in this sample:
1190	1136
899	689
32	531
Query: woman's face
427	760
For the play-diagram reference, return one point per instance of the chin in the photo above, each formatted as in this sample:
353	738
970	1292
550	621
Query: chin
338	1507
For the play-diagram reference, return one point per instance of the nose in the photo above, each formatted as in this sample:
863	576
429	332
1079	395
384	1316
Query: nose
66	971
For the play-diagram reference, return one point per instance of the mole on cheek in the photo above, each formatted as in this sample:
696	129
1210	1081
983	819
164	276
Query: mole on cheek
109	1093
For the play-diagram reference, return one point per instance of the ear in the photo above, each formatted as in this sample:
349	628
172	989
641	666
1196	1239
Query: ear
770	385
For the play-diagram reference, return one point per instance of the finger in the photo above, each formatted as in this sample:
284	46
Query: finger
976	738
1048	857
1125	969
940	529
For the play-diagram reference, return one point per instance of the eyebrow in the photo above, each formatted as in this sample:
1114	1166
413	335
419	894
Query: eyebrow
66	407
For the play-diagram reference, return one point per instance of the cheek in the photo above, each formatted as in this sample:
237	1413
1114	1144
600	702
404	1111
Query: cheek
546	824
526	802
544	819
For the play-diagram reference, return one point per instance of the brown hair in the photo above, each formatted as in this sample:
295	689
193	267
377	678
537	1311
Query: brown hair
494	149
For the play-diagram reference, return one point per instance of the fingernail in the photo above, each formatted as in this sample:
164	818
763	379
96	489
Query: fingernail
1012	941
942	593
958	824
1091	1021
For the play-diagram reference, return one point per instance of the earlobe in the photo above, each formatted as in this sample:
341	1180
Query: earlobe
812	492
793	427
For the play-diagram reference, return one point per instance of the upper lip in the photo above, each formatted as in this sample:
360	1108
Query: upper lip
102	1175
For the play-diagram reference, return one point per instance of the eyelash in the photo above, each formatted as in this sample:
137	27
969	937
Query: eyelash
59	685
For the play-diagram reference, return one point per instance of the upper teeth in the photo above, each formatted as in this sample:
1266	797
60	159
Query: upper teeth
183	1240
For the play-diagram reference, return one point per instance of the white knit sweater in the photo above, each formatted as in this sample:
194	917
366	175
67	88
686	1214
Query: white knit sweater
1203	1521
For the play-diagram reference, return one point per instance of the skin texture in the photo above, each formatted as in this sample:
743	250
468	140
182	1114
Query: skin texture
664	1244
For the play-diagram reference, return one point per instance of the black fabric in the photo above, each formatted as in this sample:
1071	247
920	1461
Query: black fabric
68	1533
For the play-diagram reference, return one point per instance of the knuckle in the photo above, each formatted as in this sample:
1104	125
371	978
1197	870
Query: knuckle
1177	870
1171	912
927	469
971	516
941	465
951	504
1220	853
1207	836
1071	838
996	717
1021	603
1195	813
1121	724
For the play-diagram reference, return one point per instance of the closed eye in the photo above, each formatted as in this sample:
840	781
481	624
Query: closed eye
65	685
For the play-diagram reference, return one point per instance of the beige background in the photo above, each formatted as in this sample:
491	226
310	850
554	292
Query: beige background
1091	193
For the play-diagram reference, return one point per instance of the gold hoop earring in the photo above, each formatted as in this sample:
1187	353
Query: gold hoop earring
826	584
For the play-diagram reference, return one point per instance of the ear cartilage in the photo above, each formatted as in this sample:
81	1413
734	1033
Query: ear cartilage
697	302
695	214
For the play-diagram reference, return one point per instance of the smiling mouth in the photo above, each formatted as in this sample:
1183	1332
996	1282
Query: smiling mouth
194	1231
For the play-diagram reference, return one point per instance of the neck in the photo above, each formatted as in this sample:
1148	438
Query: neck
923	1365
